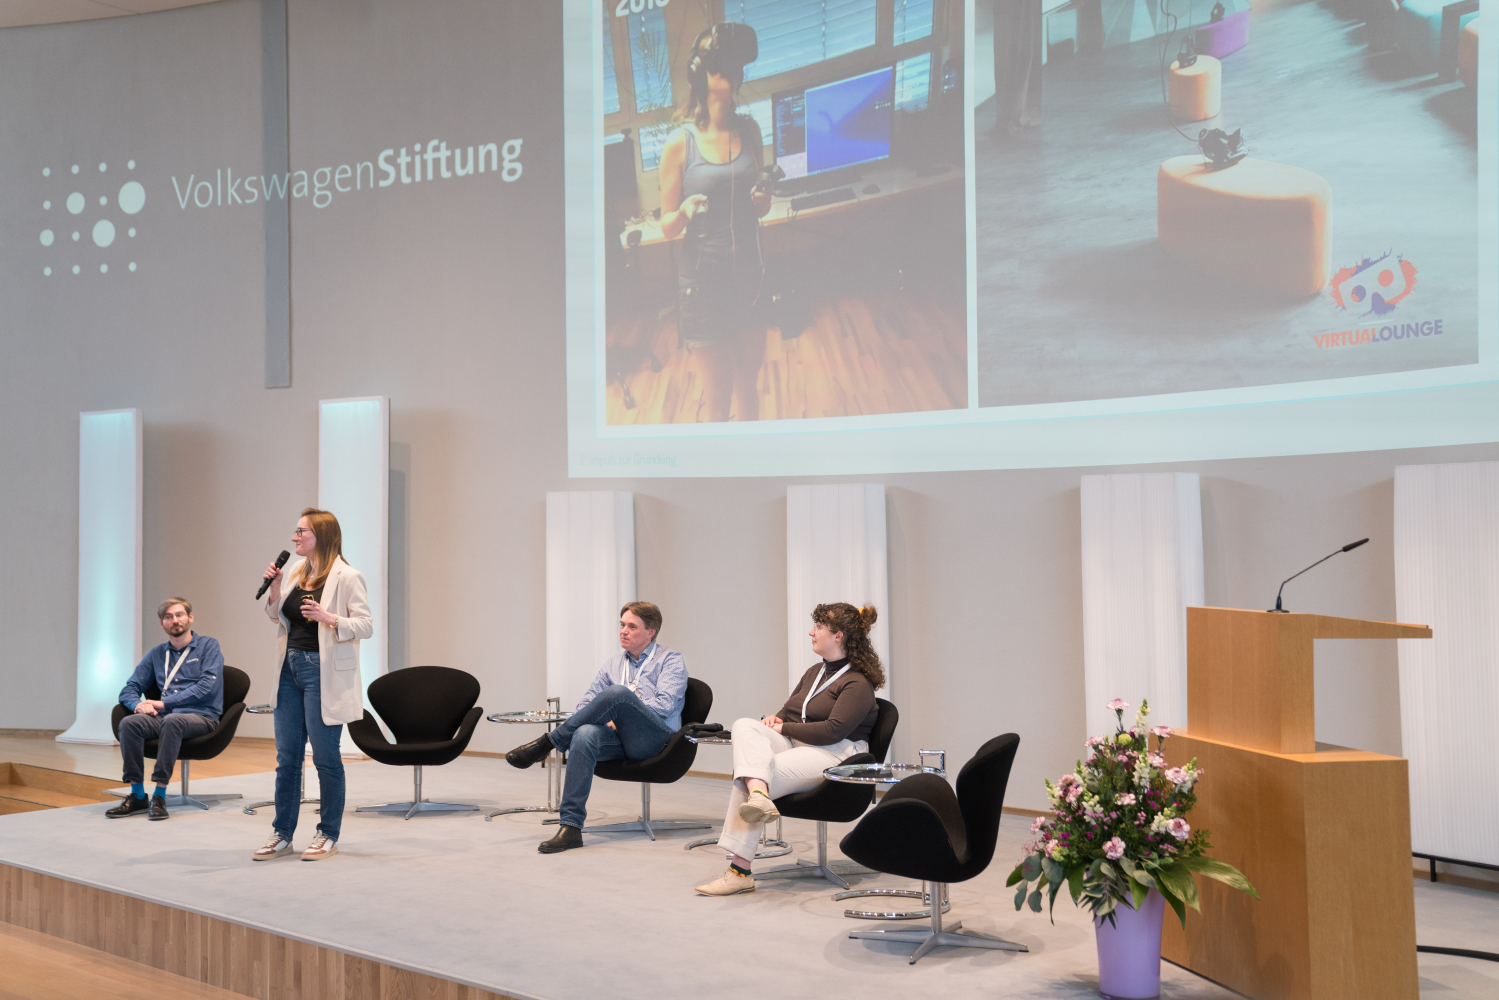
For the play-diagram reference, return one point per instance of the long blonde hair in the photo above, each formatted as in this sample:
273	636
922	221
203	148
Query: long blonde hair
330	546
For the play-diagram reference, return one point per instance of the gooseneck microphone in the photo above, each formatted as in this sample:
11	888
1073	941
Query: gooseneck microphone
281	561
1347	548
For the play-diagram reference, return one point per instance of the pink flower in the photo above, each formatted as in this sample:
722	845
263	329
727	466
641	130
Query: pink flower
1162	731
1178	776
1127	799
1114	849
1155	759
1179	829
1038	824
1117	705
1122	759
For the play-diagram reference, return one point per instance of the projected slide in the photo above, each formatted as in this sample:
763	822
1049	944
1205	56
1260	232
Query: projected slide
782	215
1344	243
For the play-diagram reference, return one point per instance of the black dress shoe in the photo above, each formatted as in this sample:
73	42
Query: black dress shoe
129	806
567	838
158	808
529	753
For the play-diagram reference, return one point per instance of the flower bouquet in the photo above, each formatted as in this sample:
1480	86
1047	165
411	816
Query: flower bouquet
1117	835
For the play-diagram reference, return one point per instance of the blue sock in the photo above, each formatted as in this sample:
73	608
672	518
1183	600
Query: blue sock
138	789
161	792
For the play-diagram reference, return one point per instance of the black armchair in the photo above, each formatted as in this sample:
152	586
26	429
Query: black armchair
431	712
835	802
664	768
205	747
922	830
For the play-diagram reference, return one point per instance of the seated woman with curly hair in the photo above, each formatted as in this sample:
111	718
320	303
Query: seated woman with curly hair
827	719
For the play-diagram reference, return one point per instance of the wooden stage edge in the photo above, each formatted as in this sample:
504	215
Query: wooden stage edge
209	949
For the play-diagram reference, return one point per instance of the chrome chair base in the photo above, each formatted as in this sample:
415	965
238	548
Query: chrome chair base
417	803
777	846
892	914
185	796
938	936
816	869
516	809
644	824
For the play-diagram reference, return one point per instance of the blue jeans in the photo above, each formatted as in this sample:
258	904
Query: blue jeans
638	734
299	719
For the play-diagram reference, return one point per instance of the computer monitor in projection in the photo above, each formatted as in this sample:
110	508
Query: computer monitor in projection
979	264
835	125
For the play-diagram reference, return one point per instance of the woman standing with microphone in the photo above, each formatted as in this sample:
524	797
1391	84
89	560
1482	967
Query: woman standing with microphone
321	620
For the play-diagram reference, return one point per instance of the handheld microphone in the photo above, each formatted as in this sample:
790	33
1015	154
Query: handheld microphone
281	561
1347	548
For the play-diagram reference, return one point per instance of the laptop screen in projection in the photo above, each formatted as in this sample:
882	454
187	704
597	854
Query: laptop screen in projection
1099	278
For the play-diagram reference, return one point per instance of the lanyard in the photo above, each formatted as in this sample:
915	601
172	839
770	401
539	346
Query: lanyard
815	691
167	659
634	685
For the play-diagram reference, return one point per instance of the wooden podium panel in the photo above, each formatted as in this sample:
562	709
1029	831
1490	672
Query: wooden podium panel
1325	838
1249	673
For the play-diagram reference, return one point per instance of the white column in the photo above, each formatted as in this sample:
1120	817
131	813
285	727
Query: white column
354	485
590	576
1447	576
110	511
835	551
1142	567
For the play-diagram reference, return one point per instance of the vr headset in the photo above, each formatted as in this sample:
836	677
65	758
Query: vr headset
723	50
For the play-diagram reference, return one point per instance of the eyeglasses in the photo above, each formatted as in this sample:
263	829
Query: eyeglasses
181	615
299	532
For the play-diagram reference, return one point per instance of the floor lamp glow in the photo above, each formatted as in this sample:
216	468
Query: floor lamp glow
354	484
110	499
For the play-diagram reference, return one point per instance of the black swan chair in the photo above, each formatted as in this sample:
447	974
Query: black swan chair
922	830
664	768
431	712
205	747
836	802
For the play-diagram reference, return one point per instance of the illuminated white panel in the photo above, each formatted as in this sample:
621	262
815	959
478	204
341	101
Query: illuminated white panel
109	566
590	575
354	484
1447	576
835	551
1142	567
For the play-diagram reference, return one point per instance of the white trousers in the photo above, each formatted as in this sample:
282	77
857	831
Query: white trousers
786	765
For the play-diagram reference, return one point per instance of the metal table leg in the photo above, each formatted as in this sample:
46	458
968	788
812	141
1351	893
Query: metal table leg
778	847
923	895
249	810
555	765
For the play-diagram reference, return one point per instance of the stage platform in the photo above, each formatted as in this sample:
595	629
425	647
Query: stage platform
472	903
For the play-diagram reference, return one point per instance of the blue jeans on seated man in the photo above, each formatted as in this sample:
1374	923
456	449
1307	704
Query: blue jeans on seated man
169	731
299	720
638	734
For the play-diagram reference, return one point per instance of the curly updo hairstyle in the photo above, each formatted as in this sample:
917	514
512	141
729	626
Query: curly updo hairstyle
855	624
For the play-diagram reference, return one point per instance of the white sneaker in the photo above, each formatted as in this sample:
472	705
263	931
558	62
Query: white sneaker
759	809
727	884
274	848
322	847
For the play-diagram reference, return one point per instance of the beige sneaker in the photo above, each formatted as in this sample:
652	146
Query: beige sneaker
759	809
322	847
727	884
274	848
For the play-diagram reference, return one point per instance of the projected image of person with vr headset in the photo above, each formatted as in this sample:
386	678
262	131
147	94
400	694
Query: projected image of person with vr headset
714	188
784	220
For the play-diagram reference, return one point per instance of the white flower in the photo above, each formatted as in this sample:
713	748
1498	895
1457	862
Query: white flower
1142	774
1126	799
1114	849
1178	828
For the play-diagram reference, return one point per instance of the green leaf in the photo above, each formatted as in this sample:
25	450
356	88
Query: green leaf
1178	881
1127	865
1176	904
1035	901
1137	892
1020	896
1030	868
1053	871
1143	876
1075	883
1225	873
1015	876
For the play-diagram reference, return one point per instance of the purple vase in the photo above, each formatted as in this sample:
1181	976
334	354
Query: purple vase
1129	953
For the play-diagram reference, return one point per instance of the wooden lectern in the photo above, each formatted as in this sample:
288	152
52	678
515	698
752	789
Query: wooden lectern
1322	832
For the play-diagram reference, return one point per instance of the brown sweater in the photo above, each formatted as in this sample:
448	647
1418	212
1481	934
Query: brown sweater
844	710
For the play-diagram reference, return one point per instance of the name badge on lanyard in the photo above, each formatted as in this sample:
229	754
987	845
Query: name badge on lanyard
172	673
816	690
634	683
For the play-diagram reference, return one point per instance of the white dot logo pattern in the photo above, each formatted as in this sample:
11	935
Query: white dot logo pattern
129	198
104	233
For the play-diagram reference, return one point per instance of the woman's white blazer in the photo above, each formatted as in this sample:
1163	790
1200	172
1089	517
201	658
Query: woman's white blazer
338	650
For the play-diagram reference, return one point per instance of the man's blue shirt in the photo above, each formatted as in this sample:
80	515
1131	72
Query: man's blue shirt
198	687
660	676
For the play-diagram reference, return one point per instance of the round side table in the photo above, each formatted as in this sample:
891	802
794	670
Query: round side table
555	762
249	810
890	774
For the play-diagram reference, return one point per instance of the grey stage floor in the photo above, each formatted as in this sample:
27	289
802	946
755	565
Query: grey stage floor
1078	301
474	902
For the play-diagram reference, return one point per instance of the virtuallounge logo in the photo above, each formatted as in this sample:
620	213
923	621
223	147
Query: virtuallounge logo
435	163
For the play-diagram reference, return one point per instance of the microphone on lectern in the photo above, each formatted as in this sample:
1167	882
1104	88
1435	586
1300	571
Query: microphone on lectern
281	561
1347	548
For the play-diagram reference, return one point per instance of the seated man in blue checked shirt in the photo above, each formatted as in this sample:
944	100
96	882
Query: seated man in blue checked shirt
631	710
188	670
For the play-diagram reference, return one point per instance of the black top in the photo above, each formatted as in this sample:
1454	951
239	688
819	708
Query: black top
303	631
844	710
